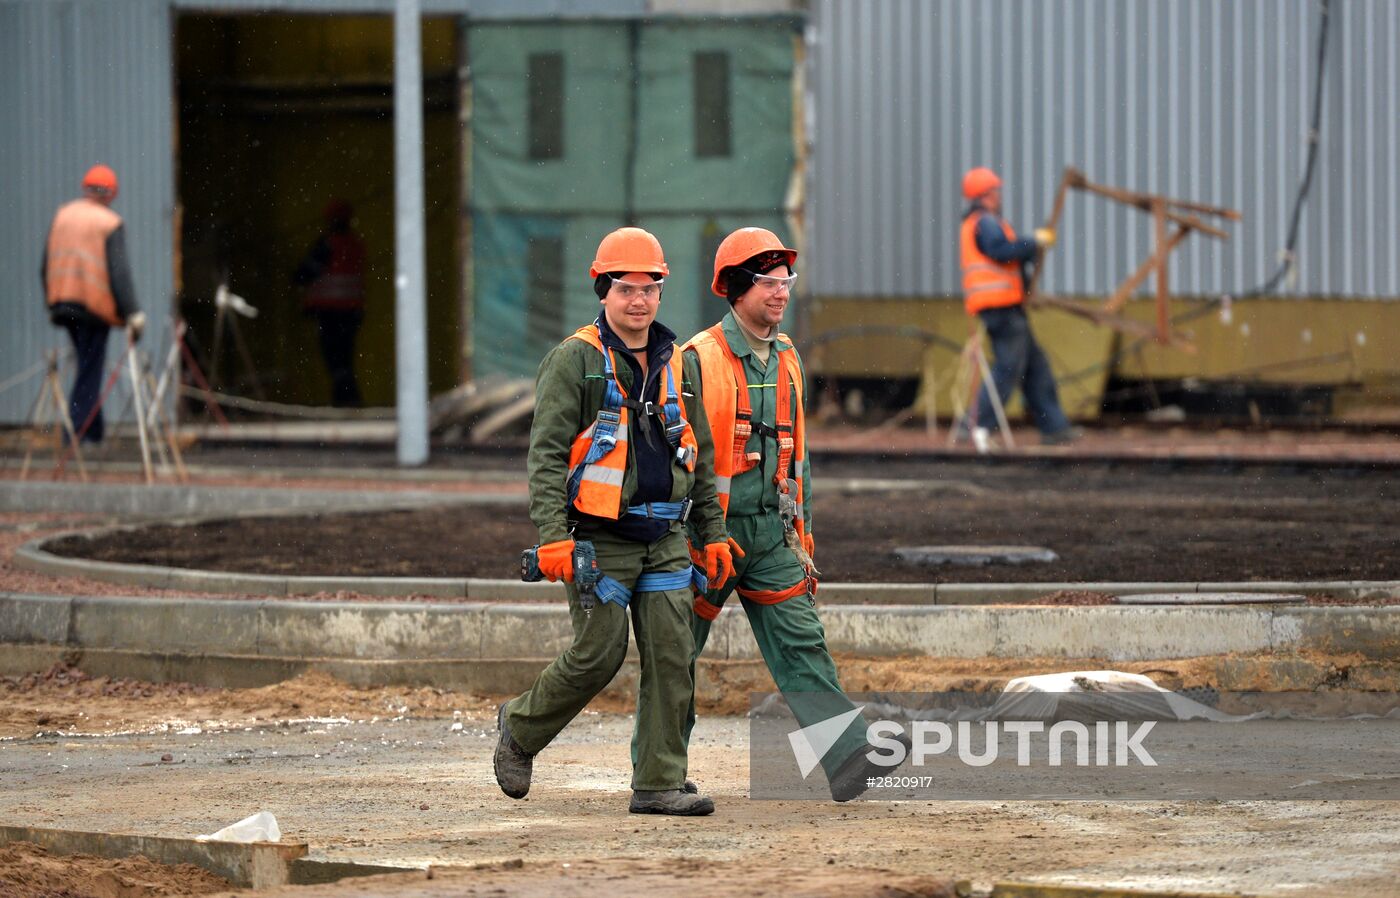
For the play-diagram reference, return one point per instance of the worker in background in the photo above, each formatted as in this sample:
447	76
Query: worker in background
333	274
751	383
996	270
619	457
87	284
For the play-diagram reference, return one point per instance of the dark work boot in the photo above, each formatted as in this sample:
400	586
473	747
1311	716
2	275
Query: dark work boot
1064	437
849	780
691	787
676	802
511	762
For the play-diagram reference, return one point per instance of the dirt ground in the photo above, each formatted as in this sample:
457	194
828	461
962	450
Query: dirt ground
29	871
403	777
1105	523
65	701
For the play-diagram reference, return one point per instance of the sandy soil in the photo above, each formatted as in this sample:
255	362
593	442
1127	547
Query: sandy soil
28	871
65	701
632	878
417	790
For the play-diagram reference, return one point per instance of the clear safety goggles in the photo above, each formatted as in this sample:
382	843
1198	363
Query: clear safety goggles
629	290
773	284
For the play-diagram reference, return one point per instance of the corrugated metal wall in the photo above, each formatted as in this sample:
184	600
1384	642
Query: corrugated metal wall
81	81
1193	98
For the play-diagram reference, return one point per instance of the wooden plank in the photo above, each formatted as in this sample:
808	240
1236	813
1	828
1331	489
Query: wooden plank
1068	179
1119	298
1147	201
1159	222
1119	323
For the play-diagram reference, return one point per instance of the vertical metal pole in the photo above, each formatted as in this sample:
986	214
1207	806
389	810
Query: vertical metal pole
410	318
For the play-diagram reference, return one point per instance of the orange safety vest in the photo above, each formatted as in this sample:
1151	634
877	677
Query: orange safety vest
987	284
341	287
725	396
76	268
598	455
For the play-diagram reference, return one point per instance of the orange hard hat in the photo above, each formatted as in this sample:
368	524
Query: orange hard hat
101	177
629	250
743	245
978	181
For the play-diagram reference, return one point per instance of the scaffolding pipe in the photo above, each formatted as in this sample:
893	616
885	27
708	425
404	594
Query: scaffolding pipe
410	318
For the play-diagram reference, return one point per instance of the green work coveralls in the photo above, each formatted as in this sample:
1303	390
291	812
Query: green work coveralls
569	392
789	633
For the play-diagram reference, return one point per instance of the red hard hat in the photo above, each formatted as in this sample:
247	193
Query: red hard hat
629	250
101	177
978	181
743	245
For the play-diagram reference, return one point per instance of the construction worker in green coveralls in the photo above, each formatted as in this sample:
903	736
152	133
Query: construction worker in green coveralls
751	385
619	458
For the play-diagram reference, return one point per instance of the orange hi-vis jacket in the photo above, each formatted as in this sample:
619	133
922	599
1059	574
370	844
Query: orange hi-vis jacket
598	455
725	396
77	258
987	284
341	287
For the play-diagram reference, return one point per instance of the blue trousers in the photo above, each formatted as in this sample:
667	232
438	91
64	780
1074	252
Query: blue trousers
90	347
1018	361
337	332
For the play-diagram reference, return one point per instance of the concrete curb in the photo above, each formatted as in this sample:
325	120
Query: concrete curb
33	557
164	500
256	865
407	631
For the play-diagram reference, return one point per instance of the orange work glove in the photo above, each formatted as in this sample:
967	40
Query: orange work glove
809	545
734	547
719	564
557	561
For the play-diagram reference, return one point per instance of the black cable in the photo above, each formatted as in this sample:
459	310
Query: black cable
1314	140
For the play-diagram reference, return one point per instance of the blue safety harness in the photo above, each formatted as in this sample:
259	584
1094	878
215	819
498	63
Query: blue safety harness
610	590
605	428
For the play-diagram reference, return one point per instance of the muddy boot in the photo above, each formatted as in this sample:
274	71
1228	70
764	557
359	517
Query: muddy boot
850	779
676	802
511	762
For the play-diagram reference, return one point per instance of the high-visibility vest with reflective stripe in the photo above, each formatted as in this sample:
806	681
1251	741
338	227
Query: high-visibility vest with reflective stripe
987	284
598	455
341	287
76	265
725	396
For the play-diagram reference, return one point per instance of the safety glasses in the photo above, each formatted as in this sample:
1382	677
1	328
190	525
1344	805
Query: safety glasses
629	290
773	284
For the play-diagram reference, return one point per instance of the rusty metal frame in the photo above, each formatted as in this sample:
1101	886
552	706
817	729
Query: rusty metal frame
1166	212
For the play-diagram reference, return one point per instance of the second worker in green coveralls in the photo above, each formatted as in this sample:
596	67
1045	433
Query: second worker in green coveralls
751	385
620	458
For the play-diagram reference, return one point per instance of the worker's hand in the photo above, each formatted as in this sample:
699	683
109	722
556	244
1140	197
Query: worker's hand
735	548
557	561
719	564
136	324
809	545
1045	237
